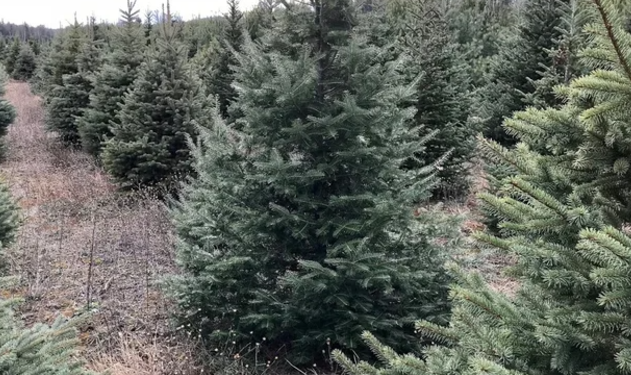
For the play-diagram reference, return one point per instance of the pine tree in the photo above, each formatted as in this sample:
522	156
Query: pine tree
7	116
443	89
3	48
69	100
112	82
25	64
43	71
299	227
564	215
12	55
563	55
565	66
149	143
147	26
518	64
221	76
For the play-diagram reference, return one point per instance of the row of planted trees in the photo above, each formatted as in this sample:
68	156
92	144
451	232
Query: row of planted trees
308	144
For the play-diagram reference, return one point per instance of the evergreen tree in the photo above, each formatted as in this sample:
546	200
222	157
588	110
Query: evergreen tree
112	82
563	55
25	64
12	55
299	227
7	116
221	76
443	89
149	143
68	100
147	26
565	66
43	70
518	64
564	216
3	49
36	46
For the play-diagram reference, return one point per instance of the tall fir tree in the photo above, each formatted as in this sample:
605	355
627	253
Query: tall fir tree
112	82
25	64
69	100
564	216
149	145
299	227
520	59
64	89
443	90
220	79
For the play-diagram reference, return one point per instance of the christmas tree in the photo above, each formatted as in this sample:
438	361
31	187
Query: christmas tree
112	82
7	112
220	81
443	89
563	215
25	64
518	63
299	227
12	55
66	89
149	144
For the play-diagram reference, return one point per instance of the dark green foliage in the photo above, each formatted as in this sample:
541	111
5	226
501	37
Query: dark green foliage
12	55
25	64
68	101
220	79
66	90
443	90
149	142
112	82
299	227
7	116
519	62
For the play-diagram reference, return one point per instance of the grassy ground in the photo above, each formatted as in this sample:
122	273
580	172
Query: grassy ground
83	247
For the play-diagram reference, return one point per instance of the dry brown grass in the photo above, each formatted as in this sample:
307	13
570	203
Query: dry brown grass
84	247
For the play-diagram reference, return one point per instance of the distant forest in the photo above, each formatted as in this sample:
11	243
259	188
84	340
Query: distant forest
25	31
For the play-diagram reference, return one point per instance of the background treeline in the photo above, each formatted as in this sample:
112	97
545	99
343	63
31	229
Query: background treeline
301	147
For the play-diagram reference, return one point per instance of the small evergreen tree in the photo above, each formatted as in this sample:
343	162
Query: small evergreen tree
7	116
112	82
43	71
12	55
299	227
149	143
25	64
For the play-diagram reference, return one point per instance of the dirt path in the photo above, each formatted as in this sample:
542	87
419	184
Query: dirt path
82	246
